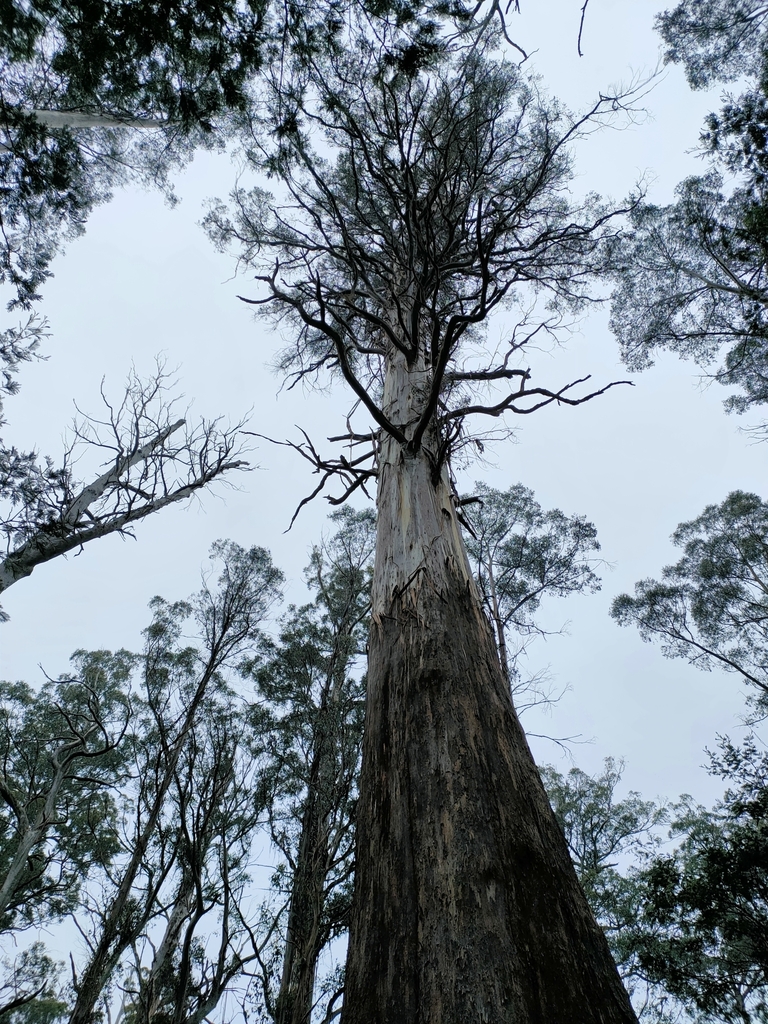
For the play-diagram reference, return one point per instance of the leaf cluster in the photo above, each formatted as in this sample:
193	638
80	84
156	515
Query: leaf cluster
703	931
711	607
691	276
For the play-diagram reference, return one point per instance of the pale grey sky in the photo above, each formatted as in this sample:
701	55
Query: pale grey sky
144	280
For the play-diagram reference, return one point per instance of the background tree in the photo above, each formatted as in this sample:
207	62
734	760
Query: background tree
519	554
610	840
153	459
184	835
691	276
446	193
711	607
687	927
62	767
200	938
703	928
312	680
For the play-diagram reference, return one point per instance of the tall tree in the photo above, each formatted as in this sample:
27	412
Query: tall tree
312	679
691	276
702	930
687	926
62	767
610	841
711	607
446	197
163	846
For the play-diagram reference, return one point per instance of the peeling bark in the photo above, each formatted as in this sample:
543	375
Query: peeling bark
467	908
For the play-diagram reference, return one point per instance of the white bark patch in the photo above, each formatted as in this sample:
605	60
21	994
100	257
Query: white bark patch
418	536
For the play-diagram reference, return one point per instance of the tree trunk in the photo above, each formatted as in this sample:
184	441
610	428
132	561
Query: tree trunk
303	940
306	934
156	991
467	908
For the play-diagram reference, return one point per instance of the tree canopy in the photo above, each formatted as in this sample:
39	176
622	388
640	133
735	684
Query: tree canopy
710	607
691	276
443	201
95	94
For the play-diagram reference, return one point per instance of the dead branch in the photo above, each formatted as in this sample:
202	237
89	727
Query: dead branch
154	460
351	471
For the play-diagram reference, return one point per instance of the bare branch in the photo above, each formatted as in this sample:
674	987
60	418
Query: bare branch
154	460
351	471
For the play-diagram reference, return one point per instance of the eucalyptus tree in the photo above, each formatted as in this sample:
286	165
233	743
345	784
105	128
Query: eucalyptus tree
520	554
443	198
312	678
199	939
184	843
685	914
96	95
702	928
62	769
710	607
611	841
149	458
691	276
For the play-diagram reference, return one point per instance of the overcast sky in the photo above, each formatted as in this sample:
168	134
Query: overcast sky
145	281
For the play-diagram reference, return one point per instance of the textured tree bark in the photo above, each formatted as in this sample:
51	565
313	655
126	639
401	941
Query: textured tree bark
467	908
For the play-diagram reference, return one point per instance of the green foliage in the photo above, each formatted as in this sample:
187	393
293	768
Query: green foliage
711	607
688	928
130	797
608	839
312	682
62	763
691	276
184	65
521	554
192	806
162	77
703	930
717	41
692	279
31	992
444	197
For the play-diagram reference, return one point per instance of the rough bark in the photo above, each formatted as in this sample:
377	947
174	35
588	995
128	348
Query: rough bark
467	908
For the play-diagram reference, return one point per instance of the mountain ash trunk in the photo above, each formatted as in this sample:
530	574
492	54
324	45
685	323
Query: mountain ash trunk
467	908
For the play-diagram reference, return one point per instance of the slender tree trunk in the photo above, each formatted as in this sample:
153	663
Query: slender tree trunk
501	639
303	940
467	908
305	933
32	833
156	991
121	924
